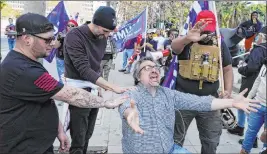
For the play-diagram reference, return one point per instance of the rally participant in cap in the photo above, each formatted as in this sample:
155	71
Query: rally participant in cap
84	49
59	45
29	121
198	74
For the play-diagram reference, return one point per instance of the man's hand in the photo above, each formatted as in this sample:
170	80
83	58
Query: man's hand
64	142
225	95
194	33
245	104
133	119
120	90
111	104
137	51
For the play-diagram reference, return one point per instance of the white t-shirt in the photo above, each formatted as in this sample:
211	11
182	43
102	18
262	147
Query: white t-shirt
160	41
258	90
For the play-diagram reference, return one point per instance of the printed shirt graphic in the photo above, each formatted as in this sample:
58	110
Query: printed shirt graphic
11	27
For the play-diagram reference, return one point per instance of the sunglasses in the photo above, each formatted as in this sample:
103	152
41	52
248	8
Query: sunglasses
47	40
71	25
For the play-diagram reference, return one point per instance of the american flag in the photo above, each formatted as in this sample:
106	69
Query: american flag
197	6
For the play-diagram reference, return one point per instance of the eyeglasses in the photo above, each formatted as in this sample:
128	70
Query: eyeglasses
71	25
47	40
149	68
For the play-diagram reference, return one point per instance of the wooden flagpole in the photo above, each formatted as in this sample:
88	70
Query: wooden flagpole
219	45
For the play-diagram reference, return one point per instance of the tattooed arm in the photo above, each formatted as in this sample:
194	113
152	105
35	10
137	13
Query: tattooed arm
83	99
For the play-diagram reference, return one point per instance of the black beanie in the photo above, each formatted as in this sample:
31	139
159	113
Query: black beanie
105	17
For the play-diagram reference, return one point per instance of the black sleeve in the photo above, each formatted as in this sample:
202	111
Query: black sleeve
226	56
36	84
74	47
254	63
184	55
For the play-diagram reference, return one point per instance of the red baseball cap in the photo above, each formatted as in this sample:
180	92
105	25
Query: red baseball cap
74	22
209	17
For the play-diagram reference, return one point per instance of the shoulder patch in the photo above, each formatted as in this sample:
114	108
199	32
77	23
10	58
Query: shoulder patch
46	82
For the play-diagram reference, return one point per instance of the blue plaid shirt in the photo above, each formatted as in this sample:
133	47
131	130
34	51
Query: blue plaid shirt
157	116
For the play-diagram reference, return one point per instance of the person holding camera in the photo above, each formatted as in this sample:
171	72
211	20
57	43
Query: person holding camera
107	61
59	45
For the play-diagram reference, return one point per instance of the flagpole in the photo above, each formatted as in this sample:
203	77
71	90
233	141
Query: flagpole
145	28
219	45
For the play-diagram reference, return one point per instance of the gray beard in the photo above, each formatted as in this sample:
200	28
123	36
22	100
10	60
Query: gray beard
100	37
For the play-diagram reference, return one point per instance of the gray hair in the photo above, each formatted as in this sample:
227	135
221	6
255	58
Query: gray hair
136	73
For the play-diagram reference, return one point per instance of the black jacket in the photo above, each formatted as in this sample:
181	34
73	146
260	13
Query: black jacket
256	59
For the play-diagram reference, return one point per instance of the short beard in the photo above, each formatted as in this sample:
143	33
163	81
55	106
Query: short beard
36	50
206	42
98	36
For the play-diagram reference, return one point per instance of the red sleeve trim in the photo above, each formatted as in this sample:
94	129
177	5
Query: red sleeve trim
46	82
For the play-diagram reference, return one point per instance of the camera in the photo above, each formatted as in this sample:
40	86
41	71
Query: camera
61	37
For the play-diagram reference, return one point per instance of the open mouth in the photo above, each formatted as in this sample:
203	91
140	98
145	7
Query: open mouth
154	77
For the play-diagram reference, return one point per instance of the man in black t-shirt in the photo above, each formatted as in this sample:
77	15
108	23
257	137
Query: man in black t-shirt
201	38
29	121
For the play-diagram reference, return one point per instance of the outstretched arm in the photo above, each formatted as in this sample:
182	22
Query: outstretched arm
185	101
81	98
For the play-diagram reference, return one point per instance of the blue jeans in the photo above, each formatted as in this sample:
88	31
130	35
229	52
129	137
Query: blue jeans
60	68
241	118
178	149
256	120
11	43
127	53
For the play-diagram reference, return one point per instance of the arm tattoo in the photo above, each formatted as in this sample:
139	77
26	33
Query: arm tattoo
79	97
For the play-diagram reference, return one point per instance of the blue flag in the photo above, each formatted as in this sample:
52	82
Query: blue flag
59	18
130	30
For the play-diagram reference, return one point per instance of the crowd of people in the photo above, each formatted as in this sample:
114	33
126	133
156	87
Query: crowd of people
155	119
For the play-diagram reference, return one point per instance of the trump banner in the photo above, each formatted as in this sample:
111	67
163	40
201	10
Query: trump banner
58	16
130	30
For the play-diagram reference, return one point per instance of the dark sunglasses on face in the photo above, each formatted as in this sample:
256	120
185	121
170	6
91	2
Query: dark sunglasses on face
71	25
47	40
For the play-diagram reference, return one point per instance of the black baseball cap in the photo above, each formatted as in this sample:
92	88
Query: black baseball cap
31	23
105	16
